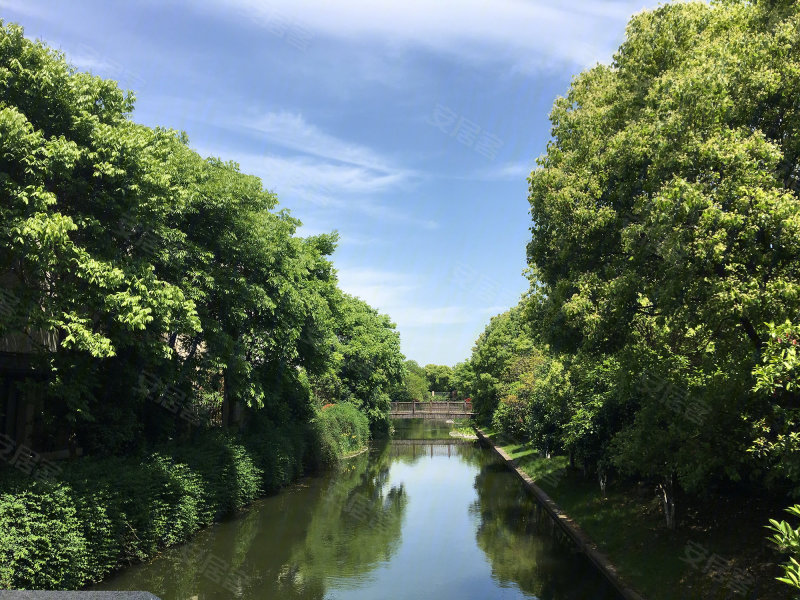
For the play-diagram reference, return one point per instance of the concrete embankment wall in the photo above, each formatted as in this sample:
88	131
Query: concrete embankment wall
586	545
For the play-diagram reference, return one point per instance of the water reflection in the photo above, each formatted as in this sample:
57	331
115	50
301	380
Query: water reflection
421	429
408	520
342	524
355	527
524	545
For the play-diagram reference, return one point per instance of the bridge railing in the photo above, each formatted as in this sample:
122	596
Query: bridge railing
450	406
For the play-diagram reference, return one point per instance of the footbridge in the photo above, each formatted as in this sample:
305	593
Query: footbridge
438	409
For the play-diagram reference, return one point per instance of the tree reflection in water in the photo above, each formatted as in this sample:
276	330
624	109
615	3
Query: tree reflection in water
358	533
525	547
355	527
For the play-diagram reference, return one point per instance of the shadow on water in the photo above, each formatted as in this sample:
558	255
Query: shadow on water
407	520
421	429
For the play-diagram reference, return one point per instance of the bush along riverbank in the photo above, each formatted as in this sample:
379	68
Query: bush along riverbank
103	513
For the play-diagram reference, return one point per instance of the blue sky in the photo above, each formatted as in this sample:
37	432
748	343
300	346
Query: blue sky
410	127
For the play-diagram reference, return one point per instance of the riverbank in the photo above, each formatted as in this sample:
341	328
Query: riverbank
570	527
719	551
422	519
99	514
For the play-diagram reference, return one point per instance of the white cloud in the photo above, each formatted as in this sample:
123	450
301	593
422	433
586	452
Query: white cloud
292	131
580	32
22	7
328	166
93	63
345	239
398	294
513	170
380	289
315	180
325	184
418	316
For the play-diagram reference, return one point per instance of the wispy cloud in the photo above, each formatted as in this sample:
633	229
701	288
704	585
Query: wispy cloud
322	164
316	180
421	316
512	170
324	184
292	131
574	31
22	7
398	295
345	239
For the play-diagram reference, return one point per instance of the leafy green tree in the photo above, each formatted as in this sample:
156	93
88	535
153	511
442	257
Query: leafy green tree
367	364
665	229
495	349
464	379
137	270
82	288
440	378
787	539
414	386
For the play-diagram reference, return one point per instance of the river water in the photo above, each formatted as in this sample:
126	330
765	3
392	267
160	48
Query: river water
426	517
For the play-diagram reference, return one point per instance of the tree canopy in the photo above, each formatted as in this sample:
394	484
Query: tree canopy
133	268
658	339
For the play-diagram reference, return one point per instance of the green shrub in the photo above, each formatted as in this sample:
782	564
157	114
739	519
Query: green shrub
41	539
280	451
511	417
229	471
104	513
339	429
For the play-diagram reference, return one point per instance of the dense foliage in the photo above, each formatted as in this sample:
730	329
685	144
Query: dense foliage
162	298
414	386
343	430
142	271
659	337
103	513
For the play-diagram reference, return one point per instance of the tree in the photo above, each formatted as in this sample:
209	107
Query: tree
414	386
787	539
81	286
440	378
665	230
368	361
149	281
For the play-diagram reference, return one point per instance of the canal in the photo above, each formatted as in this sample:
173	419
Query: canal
425	516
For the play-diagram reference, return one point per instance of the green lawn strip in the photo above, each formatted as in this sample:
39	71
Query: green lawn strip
626	526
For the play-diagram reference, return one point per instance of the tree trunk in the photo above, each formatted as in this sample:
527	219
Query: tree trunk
666	491
602	477
226	400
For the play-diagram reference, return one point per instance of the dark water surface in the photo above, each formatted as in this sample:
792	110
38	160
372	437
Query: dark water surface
408	520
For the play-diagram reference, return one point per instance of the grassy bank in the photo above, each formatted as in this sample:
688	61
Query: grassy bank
628	527
462	428
103	513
